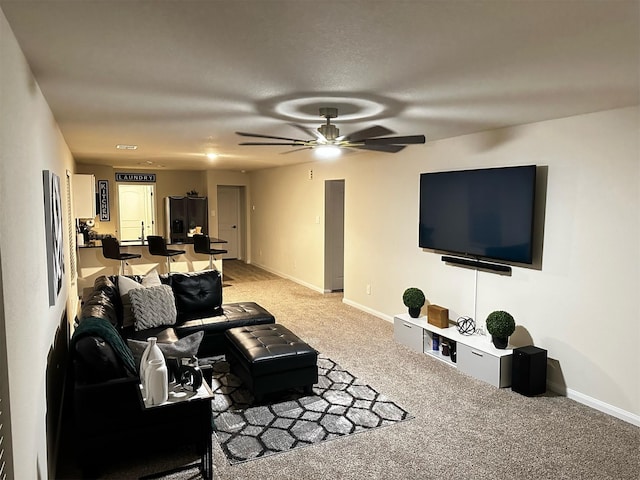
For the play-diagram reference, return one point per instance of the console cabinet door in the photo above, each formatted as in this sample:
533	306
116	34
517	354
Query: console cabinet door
479	364
408	334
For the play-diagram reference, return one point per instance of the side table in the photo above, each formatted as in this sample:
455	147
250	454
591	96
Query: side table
190	417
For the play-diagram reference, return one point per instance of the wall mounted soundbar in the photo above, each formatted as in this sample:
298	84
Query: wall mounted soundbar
467	262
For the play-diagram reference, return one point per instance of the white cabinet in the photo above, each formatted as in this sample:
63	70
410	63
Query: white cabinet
492	369
408	334
84	196
476	355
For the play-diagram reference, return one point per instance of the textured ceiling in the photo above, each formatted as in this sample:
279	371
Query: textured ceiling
178	78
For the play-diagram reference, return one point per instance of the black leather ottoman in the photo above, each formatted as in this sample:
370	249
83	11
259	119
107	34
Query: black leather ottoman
270	358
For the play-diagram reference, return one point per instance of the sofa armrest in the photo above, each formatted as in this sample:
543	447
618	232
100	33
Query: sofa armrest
118	398
106	405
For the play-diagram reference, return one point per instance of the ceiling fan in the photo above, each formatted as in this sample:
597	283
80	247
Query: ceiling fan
328	137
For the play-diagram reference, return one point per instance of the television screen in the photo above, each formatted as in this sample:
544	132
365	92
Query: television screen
485	213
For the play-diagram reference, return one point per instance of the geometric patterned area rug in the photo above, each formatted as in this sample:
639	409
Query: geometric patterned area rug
340	405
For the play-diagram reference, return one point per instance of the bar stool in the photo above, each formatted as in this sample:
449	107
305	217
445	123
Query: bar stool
202	244
157	246
111	249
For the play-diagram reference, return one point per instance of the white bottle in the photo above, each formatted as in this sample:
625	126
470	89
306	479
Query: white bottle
156	382
152	352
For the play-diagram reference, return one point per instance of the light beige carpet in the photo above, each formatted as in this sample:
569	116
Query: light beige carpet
463	428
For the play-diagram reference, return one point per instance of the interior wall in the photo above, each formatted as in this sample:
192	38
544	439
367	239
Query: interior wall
581	306
168	183
30	142
287	221
234	179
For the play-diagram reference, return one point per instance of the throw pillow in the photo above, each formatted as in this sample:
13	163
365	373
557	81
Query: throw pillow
151	279
198	294
125	285
152	306
184	348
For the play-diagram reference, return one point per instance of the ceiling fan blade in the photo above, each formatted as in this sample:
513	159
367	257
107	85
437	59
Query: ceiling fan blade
380	148
375	131
295	150
257	135
312	133
407	140
298	143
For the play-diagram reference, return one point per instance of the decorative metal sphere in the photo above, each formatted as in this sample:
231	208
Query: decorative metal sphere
466	325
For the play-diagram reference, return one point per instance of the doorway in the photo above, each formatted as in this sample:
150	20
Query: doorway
334	235
137	212
230	220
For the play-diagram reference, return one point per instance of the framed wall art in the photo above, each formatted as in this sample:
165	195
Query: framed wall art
54	233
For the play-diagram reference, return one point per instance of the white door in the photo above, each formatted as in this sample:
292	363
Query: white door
334	235
229	227
137	211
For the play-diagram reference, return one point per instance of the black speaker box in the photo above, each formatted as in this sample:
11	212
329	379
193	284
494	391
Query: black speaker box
529	370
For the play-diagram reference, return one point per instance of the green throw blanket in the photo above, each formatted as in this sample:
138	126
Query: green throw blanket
102	328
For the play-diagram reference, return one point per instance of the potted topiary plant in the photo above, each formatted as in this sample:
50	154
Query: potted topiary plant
413	299
500	325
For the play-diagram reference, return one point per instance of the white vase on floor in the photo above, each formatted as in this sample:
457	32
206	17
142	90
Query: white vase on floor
152	352
156	382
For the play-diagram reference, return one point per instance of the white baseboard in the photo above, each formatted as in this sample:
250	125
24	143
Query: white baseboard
559	389
368	310
289	277
595	403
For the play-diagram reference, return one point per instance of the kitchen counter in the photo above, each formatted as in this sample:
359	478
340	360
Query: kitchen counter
92	264
138	243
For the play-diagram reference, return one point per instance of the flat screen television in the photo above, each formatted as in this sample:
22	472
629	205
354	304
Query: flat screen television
484	214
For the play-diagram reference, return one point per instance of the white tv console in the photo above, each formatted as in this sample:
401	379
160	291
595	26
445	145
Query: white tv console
476	355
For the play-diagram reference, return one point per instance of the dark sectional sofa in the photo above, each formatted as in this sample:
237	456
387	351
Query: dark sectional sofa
198	300
109	417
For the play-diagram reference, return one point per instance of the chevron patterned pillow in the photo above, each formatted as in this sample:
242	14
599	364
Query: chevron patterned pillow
125	284
152	306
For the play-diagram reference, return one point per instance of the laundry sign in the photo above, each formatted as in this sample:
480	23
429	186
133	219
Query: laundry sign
136	177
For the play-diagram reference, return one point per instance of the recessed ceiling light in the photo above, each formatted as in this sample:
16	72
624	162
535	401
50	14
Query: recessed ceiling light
123	146
149	163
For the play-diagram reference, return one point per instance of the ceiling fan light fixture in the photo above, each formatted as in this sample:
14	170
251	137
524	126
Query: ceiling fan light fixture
329	131
328	142
326	152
